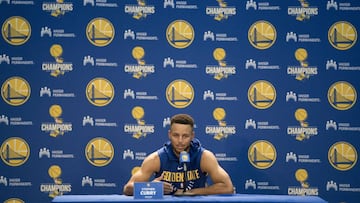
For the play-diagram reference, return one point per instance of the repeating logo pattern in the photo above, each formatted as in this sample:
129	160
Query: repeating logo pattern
90	97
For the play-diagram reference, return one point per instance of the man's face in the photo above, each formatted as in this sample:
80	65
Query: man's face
180	136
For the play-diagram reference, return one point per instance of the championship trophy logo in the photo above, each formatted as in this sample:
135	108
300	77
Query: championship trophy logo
304	71
221	12
15	91
55	173
59	67
16	30
57	187
304	11
222	130
302	175
222	70
141	69
57	8
139	11
304	131
140	129
59	127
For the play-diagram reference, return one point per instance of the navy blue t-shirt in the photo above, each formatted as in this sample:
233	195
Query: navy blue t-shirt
174	171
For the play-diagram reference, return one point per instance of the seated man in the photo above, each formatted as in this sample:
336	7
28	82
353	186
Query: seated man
164	163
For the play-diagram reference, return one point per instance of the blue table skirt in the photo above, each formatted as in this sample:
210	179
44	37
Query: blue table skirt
210	198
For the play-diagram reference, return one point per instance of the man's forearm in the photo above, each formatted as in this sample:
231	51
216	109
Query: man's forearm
217	188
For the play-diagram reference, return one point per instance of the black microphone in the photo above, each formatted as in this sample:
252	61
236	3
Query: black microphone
184	158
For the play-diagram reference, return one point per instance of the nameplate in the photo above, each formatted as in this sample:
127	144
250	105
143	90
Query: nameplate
148	190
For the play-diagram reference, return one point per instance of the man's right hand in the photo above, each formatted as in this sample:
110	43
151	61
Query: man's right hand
168	187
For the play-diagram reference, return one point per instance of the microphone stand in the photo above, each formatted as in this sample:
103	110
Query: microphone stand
185	178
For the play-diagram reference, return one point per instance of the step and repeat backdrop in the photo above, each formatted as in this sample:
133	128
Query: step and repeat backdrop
88	88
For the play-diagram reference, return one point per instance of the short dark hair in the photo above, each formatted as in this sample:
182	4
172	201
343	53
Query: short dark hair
182	119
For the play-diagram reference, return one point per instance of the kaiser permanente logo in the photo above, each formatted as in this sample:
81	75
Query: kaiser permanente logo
58	33
139	11
57	187
260	125
101	3
218	37
14	121
303	12
141	36
331	185
222	70
178	63
54	154
14	182
15	60
341	6
261	65
96	182
261	6
98	62
141	69
130	154
221	12
139	95
57	92
304	131
341	126
304	71
332	64
301	158
57	8
59	67
302	176
292	96
98	122
58	127
222	130
141	129
260	185
218	96
179	4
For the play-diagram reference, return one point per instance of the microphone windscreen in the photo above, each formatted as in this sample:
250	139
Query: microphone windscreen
184	157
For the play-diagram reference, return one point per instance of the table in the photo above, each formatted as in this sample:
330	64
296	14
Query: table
243	198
